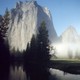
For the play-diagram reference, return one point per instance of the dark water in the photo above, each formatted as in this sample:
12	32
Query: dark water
33	72
17	72
60	75
21	72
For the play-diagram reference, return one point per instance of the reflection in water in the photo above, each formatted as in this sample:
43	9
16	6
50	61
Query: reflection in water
17	73
35	72
30	72
60	75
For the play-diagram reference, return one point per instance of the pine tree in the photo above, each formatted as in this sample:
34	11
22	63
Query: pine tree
43	43
4	49
26	53
31	51
4	21
38	50
1	28
33	48
37	55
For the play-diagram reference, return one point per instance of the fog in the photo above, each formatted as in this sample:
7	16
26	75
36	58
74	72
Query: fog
66	50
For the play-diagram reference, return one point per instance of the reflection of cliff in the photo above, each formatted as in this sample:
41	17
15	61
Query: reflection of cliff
17	73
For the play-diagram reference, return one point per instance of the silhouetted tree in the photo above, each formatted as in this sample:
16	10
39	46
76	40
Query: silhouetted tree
4	49
4	21
53	52
1	27
33	48
37	55
43	43
30	54
26	54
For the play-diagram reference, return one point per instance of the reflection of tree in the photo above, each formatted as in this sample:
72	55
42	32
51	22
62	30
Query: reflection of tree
36	72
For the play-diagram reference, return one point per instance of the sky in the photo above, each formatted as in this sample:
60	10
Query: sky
64	13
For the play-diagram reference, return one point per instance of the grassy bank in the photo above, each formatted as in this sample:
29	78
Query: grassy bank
67	65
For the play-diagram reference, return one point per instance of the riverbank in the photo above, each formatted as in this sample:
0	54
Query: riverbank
66	65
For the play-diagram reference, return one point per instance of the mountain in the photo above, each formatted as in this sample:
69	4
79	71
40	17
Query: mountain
70	35
25	19
67	45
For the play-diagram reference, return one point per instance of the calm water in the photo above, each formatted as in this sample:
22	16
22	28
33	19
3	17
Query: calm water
18	72
60	75
30	72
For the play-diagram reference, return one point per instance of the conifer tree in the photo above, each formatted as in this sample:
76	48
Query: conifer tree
4	21
4	49
43	43
33	48
38	51
1	27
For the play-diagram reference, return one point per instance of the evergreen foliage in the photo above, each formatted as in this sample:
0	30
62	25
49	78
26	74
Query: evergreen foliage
4	49
30	54
37	55
4	21
43	43
37	50
33	49
1	23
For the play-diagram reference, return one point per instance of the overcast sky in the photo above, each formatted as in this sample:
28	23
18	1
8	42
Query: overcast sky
65	13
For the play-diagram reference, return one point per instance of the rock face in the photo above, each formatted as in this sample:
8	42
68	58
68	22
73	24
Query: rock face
70	35
25	19
67	45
